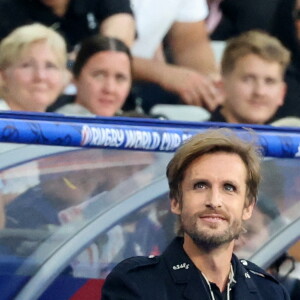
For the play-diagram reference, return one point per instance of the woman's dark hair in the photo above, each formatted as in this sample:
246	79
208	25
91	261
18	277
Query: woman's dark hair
95	44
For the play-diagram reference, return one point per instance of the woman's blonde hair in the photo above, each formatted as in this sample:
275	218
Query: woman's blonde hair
13	46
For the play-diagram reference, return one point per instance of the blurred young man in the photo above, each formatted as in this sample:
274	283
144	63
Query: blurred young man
253	67
213	180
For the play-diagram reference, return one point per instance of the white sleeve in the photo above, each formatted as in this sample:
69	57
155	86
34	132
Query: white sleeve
192	11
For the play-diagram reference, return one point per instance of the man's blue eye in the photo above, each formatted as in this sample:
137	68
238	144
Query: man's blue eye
229	188
199	185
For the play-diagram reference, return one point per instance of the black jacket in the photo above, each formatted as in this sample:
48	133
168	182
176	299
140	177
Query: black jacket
173	276
82	18
243	15
284	29
216	115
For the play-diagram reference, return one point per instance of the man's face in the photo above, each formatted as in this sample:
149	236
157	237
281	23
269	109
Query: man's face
254	90
213	200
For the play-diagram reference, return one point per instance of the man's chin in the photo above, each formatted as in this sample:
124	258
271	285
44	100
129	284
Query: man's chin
211	239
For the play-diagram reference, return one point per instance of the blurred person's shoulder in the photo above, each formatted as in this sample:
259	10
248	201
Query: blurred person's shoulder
137	263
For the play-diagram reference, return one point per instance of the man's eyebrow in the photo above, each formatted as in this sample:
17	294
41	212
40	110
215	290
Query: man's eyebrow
230	181
199	179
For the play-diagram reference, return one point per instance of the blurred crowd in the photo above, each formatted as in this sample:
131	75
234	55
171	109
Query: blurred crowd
128	58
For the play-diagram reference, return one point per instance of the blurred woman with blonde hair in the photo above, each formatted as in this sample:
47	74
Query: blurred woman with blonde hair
32	68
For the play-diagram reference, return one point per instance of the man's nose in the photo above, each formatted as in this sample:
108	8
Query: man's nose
260	88
214	199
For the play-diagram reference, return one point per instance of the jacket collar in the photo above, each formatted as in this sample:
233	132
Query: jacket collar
183	271
245	282
179	264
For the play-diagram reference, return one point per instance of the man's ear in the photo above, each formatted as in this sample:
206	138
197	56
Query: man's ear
2	77
175	206
282	94
247	211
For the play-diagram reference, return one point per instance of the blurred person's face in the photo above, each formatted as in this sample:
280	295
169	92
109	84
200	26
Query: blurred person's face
74	187
254	90
104	83
213	200
35	80
255	236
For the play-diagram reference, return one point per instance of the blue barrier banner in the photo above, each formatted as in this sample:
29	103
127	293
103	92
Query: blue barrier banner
133	134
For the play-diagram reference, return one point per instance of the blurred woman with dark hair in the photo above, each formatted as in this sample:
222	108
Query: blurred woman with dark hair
102	76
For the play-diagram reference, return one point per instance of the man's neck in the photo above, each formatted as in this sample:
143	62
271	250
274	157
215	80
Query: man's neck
231	118
214	264
228	116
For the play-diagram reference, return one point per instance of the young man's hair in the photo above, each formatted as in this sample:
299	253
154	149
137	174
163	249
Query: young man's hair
213	141
255	42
